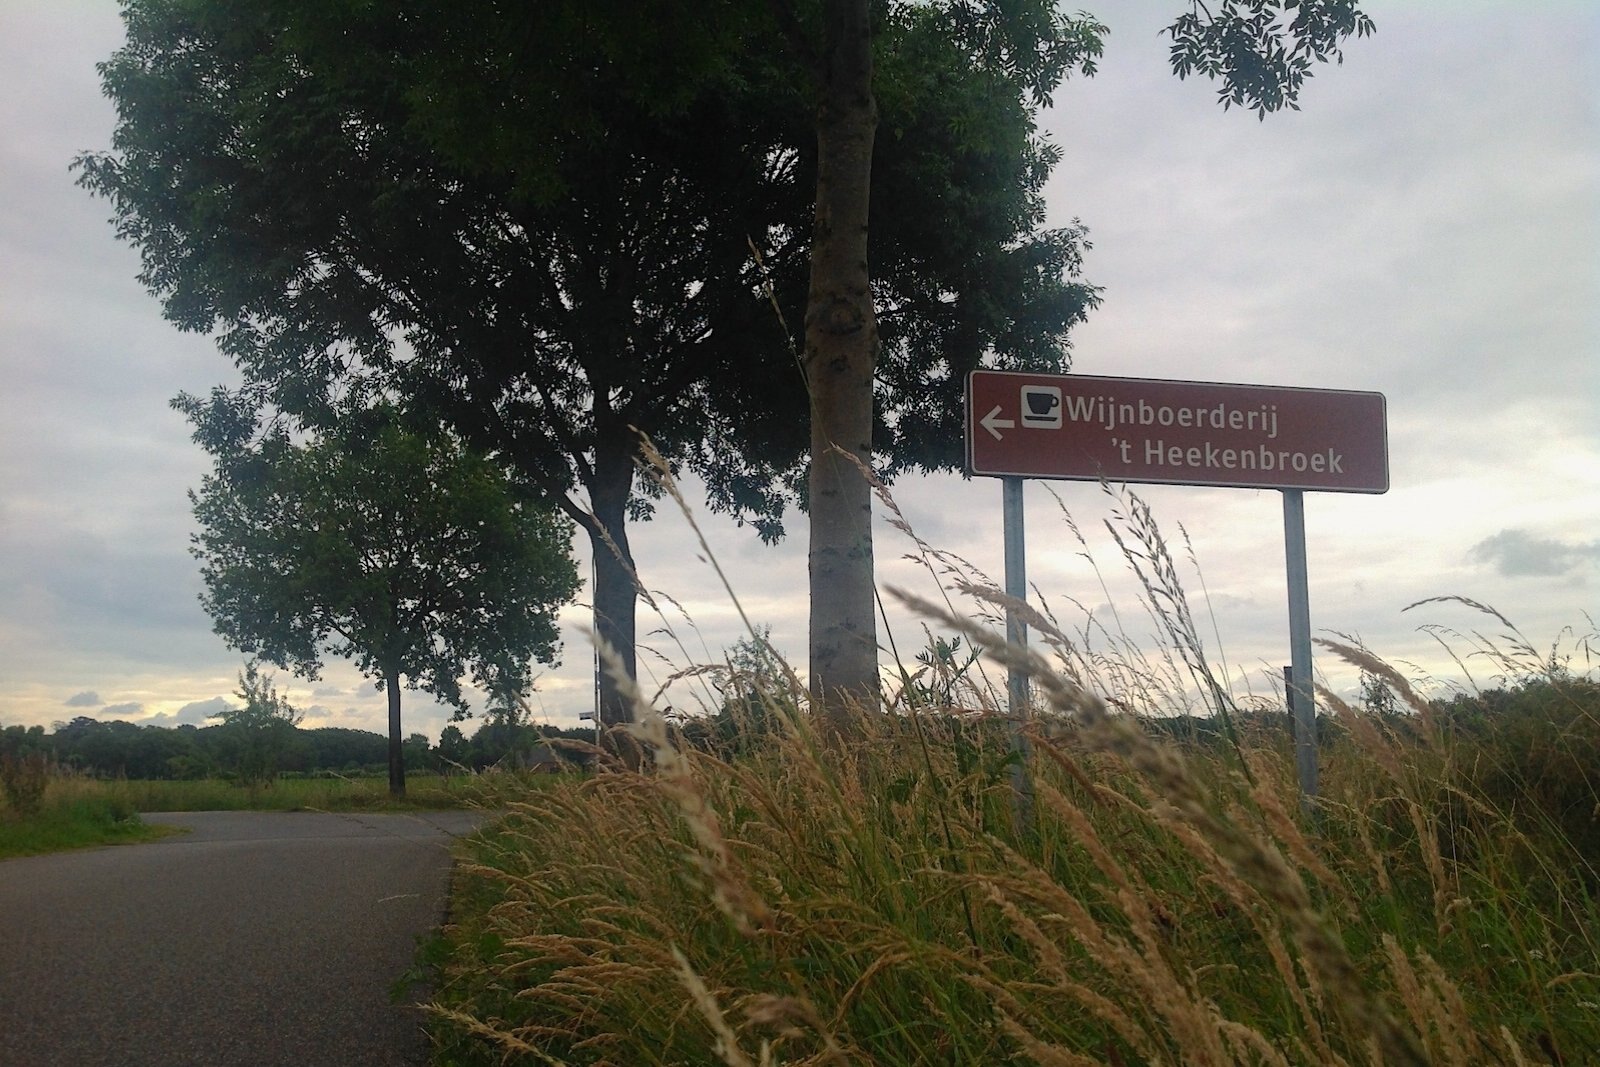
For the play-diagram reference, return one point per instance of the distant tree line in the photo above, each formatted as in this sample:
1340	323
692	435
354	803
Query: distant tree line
121	749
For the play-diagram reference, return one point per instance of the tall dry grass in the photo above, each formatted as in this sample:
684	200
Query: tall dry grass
1168	901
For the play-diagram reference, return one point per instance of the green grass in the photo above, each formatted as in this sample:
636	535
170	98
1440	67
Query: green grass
80	822
85	812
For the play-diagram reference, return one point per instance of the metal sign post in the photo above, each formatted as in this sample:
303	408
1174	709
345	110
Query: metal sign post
1017	634
1302	697
1016	589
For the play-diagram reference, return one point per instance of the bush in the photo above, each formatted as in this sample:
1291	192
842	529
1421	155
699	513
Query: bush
1533	750
23	778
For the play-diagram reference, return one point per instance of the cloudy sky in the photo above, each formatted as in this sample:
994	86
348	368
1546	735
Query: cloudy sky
1426	227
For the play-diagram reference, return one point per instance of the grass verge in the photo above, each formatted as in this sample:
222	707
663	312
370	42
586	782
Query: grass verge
878	904
1158	896
82	822
84	812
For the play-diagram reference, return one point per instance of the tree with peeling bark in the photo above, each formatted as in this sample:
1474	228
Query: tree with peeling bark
557	227
407	554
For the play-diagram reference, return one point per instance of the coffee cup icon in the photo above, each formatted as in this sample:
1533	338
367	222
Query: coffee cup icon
1041	405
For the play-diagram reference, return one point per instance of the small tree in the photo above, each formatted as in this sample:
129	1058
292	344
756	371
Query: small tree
406	553
257	736
453	748
757	694
416	751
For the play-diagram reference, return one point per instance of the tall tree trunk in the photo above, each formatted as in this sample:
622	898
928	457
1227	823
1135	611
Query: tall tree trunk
841	350
615	594
397	758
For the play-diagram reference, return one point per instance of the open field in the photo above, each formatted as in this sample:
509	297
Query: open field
284	794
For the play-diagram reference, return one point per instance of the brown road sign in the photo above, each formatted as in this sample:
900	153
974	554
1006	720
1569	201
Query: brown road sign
1175	433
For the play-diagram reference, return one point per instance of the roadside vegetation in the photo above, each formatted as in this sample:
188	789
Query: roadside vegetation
35	817
1168	901
746	890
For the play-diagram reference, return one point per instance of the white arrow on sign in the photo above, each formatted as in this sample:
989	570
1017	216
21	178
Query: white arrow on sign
994	425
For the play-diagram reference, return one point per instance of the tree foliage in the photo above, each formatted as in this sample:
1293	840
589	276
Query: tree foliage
119	749
558	226
1262	51
407	554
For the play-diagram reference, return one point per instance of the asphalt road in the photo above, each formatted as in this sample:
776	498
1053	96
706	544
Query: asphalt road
259	938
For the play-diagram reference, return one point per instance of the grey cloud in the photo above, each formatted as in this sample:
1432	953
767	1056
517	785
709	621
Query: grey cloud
86	699
120	711
327	691
192	714
125	602
200	710
1518	553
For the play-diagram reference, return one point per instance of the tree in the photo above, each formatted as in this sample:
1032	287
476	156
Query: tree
408	554
256	737
504	732
756	696
415	749
1376	697
1262	50
156	752
541	223
453	746
339	748
17	739
841	354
